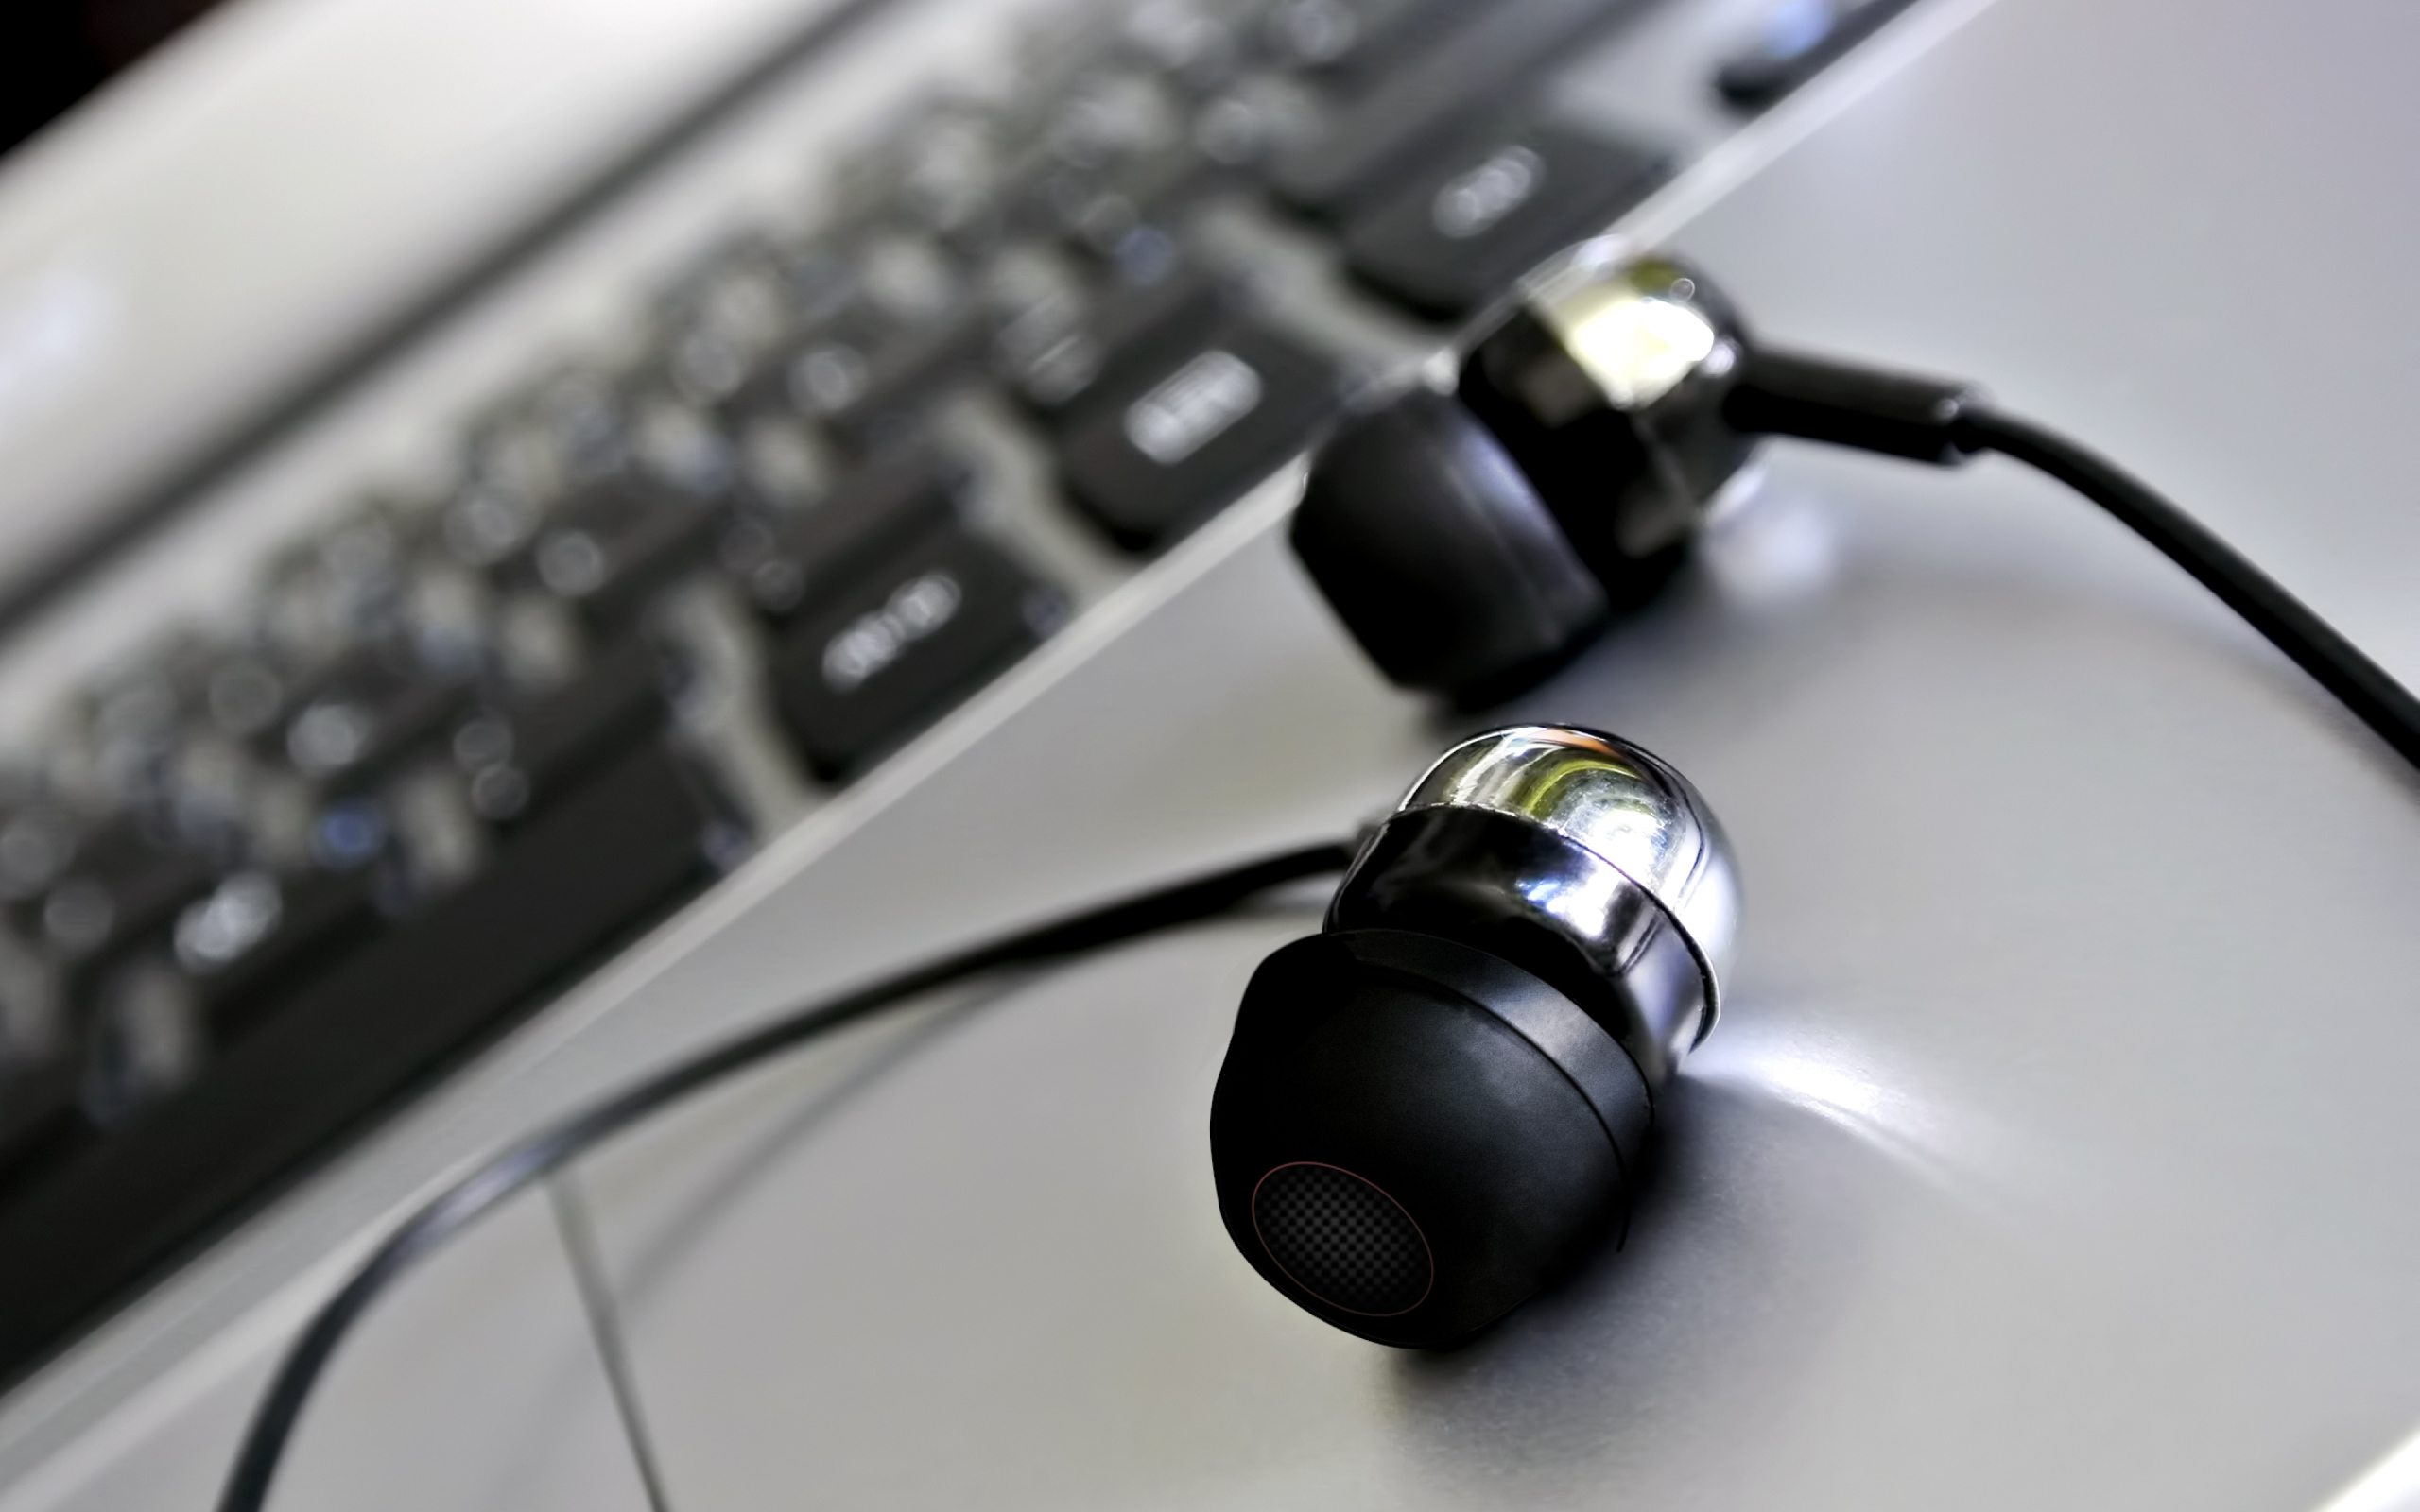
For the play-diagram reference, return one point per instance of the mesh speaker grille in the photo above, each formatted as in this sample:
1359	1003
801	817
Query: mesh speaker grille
1342	1240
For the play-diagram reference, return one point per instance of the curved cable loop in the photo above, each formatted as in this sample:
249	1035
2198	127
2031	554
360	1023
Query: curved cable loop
517	1168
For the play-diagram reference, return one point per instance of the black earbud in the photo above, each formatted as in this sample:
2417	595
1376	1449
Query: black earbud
1472	540
1442	1100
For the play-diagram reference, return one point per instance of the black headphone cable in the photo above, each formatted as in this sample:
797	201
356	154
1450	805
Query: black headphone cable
1945	422
515	1169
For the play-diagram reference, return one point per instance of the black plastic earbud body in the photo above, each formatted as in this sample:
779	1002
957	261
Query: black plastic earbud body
1439	554
1474	541
1443	1100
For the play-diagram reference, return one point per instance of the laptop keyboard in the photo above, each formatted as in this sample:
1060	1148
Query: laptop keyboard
257	888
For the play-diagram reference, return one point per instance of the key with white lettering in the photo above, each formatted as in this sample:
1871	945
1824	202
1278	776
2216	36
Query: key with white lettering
1192	436
905	645
1392	127
1065	357
1453	239
880	511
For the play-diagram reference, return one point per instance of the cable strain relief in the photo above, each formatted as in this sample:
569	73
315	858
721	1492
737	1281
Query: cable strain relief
1780	393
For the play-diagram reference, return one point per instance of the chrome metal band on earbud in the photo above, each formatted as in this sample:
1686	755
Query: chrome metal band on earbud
1625	806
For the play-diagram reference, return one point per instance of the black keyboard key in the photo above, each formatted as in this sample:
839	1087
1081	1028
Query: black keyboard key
122	885
1388	135
903	645
721	321
944	175
439	840
42	1112
877	512
1207	424
1451	239
39	1070
257	938
37	841
147	1039
1348	44
1244	128
1797	40
361	718
1113	167
519	760
1129	159
895	384
82	1234
1120	339
619	542
1130	215
889	326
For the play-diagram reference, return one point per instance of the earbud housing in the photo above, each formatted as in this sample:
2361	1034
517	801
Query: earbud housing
1443	1100
1474	540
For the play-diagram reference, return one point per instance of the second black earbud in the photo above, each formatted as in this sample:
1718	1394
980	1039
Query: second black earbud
1471	540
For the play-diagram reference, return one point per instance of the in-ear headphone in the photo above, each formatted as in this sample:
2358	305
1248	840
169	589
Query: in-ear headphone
1442	1099
1435	1104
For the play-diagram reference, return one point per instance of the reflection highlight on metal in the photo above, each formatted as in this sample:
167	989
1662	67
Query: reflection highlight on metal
1637	328
1618	802
1581	900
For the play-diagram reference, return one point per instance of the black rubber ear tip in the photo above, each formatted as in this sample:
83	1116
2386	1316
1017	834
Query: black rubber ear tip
1397	1148
1439	555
